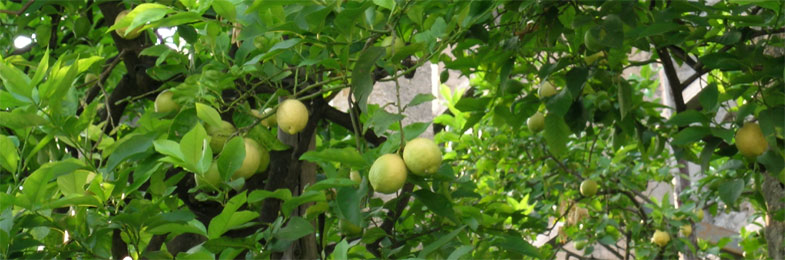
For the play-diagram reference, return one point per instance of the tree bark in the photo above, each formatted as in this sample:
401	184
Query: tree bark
677	88
773	192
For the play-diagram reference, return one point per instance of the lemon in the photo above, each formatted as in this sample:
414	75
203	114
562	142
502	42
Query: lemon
686	230
251	161
589	188
546	90
388	173
660	238
536	122
292	116
355	176
422	156
121	31
212	178
750	140
164	102
219	135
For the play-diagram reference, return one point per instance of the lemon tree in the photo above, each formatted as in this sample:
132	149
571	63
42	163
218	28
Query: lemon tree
245	129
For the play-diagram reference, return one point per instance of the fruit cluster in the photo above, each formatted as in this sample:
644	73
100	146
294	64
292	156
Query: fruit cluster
291	117
388	173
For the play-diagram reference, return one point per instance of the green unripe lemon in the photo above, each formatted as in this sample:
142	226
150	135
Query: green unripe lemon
219	135
589	188
264	159
388	173
536	122
164	102
422	156
292	116
211	179
546	90
121	31
251	161
350	229
355	176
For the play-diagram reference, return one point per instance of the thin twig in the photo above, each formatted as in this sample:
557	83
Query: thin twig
20	11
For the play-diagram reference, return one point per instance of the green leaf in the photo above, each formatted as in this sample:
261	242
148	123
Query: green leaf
773	160
389	4
556	133
169	148
437	203
198	255
16	82
560	103
225	8
296	228
208	114
656	28
419	99
175	228
625	98
41	69
381	120
226	220
19	119
613	27
259	195
688	117
74	200
340	250
576	78
709	97
9	158
280	46
468	104
348	200
439	242
197	155
73	183
362	76
267	138
142	14
331	183
38	189
459	252
231	157
348	156
690	135
730	191
125	148
309	196
518	245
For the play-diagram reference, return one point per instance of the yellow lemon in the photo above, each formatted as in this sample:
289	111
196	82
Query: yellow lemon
750	140
422	156
388	173
292	116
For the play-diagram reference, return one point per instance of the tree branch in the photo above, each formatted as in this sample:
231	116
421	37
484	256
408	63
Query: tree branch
392	217
673	79
344	119
20	11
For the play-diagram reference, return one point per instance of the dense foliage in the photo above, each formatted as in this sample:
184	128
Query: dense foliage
96	163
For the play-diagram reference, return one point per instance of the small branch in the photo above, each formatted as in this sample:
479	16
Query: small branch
20	11
392	217
343	119
673	79
612	251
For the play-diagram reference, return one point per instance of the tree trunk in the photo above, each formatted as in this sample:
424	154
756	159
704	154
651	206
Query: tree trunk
773	192
302	173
